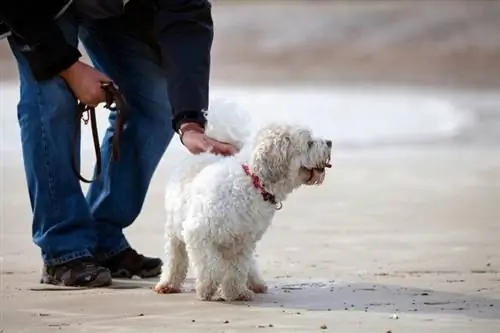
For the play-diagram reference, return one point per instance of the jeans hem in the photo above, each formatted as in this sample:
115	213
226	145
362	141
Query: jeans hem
103	256
68	257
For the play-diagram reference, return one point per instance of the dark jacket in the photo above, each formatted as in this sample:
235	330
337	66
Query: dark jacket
183	30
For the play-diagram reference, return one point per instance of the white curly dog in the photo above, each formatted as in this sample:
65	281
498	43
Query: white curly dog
218	207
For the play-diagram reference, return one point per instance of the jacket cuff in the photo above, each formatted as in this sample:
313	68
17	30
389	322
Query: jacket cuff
188	117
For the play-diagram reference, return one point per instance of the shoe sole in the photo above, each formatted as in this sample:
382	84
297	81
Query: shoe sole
102	280
125	274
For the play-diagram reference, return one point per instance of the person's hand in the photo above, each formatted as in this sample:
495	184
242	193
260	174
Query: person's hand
197	142
85	82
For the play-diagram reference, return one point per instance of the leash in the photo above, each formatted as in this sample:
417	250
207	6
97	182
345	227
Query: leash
115	102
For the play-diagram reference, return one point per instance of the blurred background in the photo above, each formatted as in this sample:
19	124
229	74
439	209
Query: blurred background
444	55
432	42
445	43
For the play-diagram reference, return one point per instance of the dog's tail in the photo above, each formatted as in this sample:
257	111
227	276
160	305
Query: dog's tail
226	122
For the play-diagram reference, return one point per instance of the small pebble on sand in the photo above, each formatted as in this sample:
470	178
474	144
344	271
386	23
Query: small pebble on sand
323	327
226	321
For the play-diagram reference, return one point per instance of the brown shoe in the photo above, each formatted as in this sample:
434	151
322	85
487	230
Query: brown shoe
129	263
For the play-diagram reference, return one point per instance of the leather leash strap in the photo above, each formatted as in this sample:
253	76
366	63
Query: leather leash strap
87	113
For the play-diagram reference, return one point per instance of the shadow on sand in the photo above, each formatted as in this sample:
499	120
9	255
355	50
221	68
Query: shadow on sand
344	296
382	298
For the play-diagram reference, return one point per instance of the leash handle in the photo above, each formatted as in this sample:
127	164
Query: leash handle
115	102
89	111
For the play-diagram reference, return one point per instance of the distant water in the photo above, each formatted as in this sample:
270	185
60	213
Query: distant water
351	117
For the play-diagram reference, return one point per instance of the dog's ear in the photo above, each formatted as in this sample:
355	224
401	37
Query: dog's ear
272	157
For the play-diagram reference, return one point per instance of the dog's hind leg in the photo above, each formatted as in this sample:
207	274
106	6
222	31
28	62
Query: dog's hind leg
175	268
234	284
255	282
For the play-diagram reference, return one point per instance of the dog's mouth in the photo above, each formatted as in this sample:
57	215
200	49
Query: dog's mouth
320	167
315	175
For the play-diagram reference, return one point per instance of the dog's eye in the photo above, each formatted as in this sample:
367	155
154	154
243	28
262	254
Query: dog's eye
310	144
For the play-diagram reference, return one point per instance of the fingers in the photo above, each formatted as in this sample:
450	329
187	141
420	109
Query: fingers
204	146
229	150
208	149
96	96
85	82
223	149
104	79
216	149
197	143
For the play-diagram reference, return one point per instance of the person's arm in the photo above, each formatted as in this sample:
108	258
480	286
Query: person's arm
184	31
33	23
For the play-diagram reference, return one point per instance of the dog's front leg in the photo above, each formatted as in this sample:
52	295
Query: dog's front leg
208	265
234	284
255	282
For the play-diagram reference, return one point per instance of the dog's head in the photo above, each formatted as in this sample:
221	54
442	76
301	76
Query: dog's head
290	156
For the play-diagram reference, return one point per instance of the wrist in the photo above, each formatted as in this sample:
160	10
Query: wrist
67	73
186	117
189	127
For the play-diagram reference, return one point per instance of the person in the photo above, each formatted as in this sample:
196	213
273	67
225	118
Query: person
139	45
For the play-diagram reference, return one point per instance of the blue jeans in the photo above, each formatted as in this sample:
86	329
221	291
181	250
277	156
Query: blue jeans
67	224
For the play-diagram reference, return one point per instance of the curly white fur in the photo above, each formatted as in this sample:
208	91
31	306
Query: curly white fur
215	214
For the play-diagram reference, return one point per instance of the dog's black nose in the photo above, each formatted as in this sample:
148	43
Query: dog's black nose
329	143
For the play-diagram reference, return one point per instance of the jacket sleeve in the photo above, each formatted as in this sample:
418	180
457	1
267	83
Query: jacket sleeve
43	43
184	31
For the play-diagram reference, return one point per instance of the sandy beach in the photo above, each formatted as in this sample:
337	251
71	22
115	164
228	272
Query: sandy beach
414	234
402	237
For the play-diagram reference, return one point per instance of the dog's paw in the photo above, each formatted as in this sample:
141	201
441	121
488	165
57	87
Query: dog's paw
162	288
206	294
258	288
247	295
207	297
218	298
